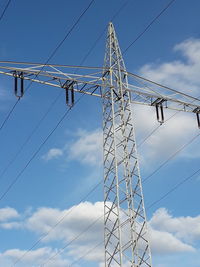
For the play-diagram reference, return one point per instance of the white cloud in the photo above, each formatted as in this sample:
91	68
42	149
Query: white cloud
168	138
180	74
164	238
45	218
163	242
7	214
186	228
169	235
87	148
33	258
53	153
11	225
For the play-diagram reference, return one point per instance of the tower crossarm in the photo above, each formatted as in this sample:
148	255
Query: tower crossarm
85	80
144	98
89	80
147	92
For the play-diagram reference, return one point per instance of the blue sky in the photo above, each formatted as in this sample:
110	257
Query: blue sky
69	164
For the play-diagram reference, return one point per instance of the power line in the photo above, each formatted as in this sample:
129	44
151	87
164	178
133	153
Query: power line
5	9
49	58
54	102
171	157
174	154
38	150
155	129
103	31
85	254
174	188
149	25
29	137
9	114
71	241
69	32
33	156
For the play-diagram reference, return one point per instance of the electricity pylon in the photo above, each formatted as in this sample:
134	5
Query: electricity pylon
125	225
126	240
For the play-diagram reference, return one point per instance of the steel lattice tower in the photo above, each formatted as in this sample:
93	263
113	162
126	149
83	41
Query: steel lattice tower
126	241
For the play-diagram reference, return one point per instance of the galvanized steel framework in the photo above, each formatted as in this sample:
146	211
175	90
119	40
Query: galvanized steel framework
126	240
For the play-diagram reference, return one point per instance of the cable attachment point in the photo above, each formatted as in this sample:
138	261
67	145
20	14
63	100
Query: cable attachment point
197	111
158	103
69	87
18	93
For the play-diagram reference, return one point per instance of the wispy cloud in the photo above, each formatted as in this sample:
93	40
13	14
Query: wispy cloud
180	74
8	213
86	148
53	153
185	228
33	258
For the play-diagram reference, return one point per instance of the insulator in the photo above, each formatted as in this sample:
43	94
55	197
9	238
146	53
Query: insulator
69	87
198	119
160	113
72	95
16	76
67	95
15	85
22	84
